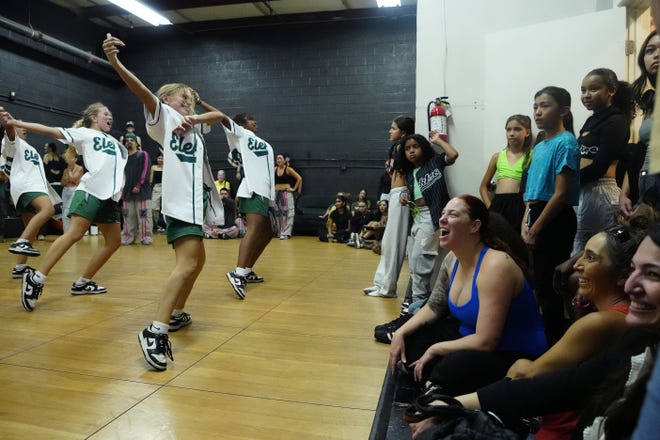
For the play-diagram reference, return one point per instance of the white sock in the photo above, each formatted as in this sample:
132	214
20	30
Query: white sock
81	281
177	312
243	271
39	277
160	328
20	266
22	240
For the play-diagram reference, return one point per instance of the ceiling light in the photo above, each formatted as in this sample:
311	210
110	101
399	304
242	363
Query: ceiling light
388	3
144	12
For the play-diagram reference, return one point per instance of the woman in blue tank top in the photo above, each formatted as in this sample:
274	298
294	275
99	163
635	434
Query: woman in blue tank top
494	317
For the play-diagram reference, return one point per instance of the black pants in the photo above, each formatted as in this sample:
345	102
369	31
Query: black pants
553	246
460	372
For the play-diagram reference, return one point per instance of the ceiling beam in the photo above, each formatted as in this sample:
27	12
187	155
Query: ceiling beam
160	5
316	17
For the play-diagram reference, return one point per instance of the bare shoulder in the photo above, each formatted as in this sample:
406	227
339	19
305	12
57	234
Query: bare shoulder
499	261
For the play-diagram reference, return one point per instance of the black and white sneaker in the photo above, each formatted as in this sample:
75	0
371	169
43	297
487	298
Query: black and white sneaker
237	283
384	332
179	321
18	273
253	278
30	291
23	248
156	349
89	288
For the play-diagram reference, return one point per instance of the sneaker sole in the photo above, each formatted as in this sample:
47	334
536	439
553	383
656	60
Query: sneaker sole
377	294
177	328
254	281
239	293
27	253
147	358
78	293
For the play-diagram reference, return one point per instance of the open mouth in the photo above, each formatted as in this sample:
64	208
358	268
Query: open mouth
444	232
638	306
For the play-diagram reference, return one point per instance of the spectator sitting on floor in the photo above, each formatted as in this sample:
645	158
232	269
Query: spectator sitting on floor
360	218
229	229
338	226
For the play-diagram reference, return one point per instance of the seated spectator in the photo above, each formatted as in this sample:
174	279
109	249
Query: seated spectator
359	219
222	181
332	207
602	270
362	197
609	387
338	225
494	318
372	232
230	229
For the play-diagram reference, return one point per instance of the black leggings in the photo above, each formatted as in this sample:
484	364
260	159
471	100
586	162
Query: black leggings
460	372
553	246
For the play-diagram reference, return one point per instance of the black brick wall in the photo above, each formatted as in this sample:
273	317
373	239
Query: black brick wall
324	92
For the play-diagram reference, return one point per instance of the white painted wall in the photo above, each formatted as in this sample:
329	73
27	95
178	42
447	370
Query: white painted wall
451	60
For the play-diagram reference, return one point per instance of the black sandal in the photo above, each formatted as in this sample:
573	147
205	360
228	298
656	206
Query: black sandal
423	407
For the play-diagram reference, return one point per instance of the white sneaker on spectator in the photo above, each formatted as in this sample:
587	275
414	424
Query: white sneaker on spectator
366	290
380	294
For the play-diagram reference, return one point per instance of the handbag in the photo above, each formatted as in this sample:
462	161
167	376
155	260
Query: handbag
455	422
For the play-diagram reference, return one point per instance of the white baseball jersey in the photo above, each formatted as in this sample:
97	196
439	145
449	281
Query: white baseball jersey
186	170
104	158
258	162
25	169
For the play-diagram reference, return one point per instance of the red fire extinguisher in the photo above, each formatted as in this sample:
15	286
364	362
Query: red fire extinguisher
438	111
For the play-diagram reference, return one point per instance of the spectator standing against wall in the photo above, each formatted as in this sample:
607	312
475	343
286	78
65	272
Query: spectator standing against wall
130	129
53	165
287	182
136	195
70	179
156	180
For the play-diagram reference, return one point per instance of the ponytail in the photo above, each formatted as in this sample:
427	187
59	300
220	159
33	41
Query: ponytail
568	122
623	100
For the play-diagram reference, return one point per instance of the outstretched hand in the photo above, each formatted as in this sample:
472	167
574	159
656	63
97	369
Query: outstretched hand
186	124
111	44
6	118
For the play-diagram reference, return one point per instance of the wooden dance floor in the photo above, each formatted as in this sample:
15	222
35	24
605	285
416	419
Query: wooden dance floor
295	360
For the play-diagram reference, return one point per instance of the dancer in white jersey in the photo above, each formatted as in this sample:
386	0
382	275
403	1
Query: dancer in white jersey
256	194
188	188
30	191
95	199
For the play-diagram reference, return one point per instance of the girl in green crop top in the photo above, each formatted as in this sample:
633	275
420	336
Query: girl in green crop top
510	165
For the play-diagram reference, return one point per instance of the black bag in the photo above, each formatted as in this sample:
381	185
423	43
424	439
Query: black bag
457	423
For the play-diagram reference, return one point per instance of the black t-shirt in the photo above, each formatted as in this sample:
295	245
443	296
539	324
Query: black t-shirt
340	219
603	139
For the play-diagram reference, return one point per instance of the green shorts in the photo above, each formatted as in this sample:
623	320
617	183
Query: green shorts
178	228
95	210
25	202
254	205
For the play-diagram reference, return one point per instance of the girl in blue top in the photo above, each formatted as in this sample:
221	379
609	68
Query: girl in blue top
552	189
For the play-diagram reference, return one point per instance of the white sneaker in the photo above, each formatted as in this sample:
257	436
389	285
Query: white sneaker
366	290
380	294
